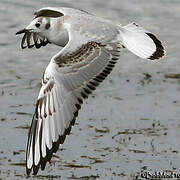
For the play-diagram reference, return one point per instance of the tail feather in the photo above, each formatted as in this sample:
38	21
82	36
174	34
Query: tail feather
141	42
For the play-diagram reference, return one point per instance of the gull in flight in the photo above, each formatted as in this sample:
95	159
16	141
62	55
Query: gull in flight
91	48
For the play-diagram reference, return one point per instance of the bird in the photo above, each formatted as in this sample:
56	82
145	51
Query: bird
90	48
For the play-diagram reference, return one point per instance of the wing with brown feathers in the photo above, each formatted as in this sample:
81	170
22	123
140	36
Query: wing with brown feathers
68	80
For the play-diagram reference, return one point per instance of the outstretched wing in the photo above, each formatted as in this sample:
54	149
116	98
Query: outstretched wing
67	81
69	78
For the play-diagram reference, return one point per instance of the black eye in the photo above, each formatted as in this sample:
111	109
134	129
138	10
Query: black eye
37	24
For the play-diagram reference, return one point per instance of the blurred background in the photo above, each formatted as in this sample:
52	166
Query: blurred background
129	125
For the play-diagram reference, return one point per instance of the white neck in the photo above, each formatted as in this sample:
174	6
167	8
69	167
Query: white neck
57	34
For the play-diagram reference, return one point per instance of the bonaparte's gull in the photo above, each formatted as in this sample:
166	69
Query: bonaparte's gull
91	48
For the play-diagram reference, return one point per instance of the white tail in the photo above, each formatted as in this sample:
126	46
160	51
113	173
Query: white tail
141	42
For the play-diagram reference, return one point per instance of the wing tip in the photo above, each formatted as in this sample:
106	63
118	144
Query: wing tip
160	50
28	171
49	152
35	169
35	41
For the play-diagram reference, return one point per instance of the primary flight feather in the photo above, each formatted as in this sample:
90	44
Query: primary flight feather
91	48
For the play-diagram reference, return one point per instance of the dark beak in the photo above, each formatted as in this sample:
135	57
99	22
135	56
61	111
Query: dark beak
22	31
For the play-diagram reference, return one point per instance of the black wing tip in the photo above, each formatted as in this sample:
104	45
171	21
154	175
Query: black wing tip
34	168
26	43
28	171
160	50
49	152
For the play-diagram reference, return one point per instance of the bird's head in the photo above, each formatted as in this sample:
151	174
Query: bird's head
47	25
39	25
